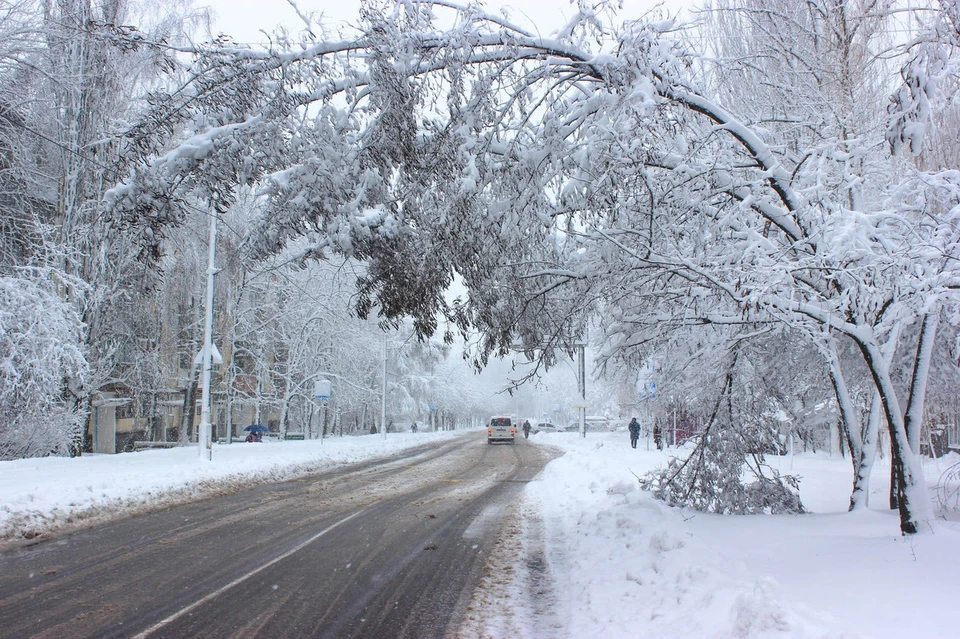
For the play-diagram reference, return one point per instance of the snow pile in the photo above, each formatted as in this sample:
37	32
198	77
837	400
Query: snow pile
626	565
43	494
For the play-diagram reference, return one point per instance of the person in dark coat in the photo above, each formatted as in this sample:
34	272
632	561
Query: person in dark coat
526	429
634	432
658	437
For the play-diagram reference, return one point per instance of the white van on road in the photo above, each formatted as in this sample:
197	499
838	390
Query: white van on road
501	429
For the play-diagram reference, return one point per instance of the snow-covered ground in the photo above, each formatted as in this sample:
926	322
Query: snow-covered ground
622	564
593	556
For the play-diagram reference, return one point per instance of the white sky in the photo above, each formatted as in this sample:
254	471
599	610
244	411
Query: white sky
244	19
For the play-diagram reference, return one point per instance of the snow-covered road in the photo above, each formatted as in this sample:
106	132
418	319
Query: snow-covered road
45	494
383	548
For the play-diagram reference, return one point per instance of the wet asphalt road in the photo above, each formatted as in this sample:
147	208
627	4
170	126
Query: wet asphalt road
390	548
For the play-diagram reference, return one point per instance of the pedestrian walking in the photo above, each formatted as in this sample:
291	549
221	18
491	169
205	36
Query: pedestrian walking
634	432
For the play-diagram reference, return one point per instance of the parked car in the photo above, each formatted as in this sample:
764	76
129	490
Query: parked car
501	429
593	425
545	427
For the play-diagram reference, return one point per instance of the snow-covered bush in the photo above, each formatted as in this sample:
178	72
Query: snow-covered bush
41	353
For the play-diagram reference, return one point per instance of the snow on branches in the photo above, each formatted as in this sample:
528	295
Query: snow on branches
932	64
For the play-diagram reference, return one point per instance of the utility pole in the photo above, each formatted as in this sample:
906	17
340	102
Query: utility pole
582	379
383	392
674	435
204	437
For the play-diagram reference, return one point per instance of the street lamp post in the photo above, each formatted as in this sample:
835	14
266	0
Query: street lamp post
204	437
383	392
582	383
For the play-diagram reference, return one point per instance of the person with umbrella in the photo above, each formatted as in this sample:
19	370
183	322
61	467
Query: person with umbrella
256	432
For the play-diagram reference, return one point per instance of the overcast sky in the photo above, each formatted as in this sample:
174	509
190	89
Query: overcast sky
244	19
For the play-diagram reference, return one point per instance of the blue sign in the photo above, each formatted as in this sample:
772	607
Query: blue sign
321	389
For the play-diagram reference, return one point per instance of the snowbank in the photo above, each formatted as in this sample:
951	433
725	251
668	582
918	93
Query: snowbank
625	565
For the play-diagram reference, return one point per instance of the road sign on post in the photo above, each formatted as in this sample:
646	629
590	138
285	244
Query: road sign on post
321	389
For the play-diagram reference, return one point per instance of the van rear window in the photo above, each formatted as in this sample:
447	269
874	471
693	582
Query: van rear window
500	421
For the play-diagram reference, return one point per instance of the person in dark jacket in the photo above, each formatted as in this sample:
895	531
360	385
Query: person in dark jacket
658	437
634	432
526	429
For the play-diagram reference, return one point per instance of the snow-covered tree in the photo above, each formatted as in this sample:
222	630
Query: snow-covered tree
71	73
41	353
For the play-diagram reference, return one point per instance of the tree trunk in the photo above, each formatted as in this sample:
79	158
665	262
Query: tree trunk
189	401
138	414
284	409
893	495
913	416
153	421
913	502
231	384
258	411
861	441
863	462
